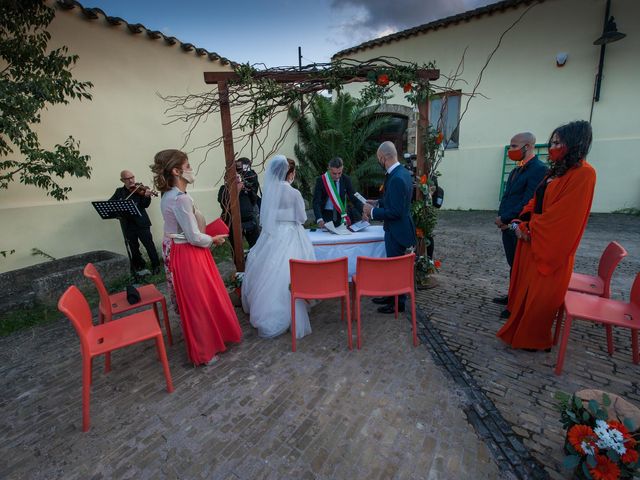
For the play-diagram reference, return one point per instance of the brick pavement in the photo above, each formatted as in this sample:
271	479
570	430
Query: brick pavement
522	384
386	411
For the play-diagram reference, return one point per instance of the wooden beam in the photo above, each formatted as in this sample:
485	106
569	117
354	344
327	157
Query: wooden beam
292	77
230	175
422	167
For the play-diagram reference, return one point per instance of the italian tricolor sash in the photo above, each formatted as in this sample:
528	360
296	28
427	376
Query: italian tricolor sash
332	191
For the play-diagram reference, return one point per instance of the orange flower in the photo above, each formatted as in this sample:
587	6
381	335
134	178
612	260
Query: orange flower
383	80
439	138
605	469
423	180
407	87
437	263
630	456
579	433
620	427
419	233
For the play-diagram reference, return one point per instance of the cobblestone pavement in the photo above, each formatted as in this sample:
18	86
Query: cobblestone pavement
386	411
522	384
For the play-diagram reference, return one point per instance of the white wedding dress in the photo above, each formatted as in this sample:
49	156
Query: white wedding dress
265	287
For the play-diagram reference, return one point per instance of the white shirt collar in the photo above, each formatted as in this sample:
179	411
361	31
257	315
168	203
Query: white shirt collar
392	167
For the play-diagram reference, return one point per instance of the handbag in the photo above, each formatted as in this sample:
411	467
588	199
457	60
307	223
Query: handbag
133	295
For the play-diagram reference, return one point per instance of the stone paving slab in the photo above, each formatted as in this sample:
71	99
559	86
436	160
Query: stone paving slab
261	412
522	384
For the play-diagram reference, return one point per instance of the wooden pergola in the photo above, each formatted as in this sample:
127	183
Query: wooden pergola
313	82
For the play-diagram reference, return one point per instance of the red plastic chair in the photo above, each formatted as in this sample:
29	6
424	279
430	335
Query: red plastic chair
611	313
385	277
599	285
320	280
111	305
104	338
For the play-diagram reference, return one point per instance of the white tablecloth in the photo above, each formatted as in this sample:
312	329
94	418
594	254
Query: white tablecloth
365	243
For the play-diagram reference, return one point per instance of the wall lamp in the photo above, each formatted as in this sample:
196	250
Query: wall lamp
610	34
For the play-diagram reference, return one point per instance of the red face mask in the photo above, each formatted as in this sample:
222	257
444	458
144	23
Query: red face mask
557	154
516	155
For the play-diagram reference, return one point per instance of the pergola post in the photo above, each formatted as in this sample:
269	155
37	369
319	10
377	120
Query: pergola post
421	164
230	175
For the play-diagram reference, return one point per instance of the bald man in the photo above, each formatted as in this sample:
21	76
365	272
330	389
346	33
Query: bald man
519	189
395	211
137	229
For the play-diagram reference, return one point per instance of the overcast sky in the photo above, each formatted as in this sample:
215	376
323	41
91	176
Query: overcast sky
269	32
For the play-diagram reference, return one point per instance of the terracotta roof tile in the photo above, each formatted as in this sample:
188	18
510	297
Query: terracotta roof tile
467	16
135	28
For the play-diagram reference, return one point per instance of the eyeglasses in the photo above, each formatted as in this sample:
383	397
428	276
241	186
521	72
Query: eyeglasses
127	178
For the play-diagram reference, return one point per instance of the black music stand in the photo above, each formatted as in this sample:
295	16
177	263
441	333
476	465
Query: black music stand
118	209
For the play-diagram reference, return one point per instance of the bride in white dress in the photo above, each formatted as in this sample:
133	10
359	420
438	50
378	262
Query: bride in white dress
265	286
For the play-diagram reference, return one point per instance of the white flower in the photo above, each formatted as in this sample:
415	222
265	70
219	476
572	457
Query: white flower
586	448
609	438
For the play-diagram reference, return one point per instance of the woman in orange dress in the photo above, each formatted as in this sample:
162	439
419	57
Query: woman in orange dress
549	232
208	318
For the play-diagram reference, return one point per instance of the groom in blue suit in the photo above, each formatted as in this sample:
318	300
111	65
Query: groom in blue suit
395	211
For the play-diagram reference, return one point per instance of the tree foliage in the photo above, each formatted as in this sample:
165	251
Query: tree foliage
31	79
338	128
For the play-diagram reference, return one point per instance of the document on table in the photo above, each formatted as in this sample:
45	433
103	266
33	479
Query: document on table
361	225
339	230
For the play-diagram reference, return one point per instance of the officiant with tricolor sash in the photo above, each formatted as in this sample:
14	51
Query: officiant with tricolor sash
332	192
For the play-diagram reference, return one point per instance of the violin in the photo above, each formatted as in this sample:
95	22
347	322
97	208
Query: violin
140	189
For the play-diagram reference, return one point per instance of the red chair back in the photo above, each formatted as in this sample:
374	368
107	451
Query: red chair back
634	296
609	260
319	279
75	306
385	276
91	272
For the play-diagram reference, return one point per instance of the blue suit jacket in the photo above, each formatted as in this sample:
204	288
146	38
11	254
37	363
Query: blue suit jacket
395	207
520	187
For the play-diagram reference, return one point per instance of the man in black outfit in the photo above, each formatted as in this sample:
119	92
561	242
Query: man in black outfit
329	207
249	177
519	189
137	229
247	199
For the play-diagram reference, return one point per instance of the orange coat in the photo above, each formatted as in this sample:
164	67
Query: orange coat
542	266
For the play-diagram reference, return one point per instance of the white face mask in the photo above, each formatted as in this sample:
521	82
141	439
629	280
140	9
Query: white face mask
188	176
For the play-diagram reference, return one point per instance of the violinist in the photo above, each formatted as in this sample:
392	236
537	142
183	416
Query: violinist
136	229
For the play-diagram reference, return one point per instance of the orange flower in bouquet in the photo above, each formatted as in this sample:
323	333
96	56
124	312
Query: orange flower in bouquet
407	87
383	80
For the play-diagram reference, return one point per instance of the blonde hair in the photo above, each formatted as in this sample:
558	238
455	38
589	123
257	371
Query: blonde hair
163	163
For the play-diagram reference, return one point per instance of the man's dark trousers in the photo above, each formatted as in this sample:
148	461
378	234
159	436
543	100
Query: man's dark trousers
510	242
133	234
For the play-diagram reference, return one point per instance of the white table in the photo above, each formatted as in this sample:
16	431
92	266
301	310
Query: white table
365	243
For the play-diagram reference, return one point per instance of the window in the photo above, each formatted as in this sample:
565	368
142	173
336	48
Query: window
445	118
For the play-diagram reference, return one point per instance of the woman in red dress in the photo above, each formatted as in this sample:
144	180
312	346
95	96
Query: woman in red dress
549	233
208	318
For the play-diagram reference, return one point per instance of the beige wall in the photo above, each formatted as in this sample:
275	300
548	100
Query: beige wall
526	91
123	127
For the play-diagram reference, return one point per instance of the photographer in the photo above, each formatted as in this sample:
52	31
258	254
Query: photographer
249	177
247	202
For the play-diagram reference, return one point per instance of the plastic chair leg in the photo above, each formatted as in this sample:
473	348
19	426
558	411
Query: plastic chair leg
609	330
349	333
563	343
634	346
358	341
86	391
342	308
293	324
413	320
559	316
162	353
167	325
107	362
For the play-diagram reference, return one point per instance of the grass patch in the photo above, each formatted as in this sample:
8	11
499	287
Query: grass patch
628	211
17	320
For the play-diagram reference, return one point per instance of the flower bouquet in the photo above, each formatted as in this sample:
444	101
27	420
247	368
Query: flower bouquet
235	282
597	447
423	268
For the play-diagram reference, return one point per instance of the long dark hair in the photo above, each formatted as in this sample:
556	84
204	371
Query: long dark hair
577	137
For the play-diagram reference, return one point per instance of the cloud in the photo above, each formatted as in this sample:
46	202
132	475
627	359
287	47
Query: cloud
369	19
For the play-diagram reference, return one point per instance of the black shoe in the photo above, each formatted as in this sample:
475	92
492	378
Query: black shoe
505	313
383	300
391	308
546	350
501	300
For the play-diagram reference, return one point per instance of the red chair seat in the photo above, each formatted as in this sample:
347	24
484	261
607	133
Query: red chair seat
581	282
123	332
149	294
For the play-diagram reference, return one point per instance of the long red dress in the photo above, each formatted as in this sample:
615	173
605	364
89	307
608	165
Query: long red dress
542	266
207	316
